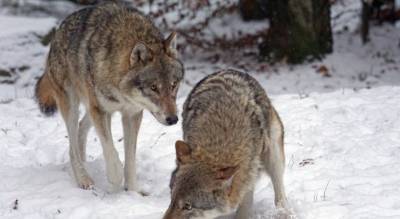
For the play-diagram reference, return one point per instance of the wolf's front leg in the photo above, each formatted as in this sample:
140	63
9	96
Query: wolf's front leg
244	210
102	123
131	125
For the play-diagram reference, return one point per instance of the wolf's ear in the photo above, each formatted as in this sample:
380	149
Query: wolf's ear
183	152
139	53
170	44
226	173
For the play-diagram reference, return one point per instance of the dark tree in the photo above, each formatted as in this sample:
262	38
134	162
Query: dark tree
365	16
380	10
253	9
299	30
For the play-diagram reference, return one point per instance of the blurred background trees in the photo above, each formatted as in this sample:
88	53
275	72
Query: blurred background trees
292	31
299	30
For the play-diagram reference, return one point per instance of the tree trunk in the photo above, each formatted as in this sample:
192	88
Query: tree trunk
253	9
299	30
365	16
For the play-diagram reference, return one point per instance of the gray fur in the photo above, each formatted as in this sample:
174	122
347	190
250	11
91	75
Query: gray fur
109	58
231	132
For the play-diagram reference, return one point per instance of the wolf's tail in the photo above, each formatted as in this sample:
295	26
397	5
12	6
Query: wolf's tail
44	95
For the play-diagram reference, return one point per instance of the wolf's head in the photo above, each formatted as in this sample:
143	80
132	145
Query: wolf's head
154	78
198	190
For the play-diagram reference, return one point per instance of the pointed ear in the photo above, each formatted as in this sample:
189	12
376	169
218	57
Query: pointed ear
139	53
183	152
226	173
170	44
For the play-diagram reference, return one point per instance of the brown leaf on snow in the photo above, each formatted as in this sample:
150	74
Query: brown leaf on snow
324	71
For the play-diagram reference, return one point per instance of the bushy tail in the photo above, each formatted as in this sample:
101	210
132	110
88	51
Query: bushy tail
44	97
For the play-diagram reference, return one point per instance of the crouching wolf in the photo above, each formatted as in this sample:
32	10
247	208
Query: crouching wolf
231	132
109	58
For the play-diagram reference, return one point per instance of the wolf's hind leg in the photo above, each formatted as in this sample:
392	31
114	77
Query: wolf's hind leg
245	206
102	123
131	125
274	160
69	108
84	127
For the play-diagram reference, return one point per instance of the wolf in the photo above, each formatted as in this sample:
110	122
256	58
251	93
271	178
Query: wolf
109	58
231	134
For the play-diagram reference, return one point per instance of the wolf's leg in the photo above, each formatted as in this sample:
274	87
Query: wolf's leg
84	126
102	123
245	206
274	160
69	108
131	125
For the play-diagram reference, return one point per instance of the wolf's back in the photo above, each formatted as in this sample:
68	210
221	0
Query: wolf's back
227	114
226	87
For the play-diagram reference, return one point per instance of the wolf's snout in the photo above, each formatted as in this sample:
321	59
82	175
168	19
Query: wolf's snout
171	120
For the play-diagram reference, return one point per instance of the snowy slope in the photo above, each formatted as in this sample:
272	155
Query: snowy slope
342	152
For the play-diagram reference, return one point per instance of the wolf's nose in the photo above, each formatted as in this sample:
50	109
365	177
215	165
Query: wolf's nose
171	120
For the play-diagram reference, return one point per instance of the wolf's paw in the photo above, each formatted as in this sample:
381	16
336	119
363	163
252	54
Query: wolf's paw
85	182
284	213
115	173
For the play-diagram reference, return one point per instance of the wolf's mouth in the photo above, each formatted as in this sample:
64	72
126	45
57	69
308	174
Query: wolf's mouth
160	118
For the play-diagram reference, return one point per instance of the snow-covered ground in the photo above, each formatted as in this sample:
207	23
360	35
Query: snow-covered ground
342	151
342	136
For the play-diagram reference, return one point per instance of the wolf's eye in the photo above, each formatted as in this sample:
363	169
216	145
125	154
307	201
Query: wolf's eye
154	88
187	206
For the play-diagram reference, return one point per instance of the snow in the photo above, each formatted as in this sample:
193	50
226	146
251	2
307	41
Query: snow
20	48
342	137
21	25
353	141
350	139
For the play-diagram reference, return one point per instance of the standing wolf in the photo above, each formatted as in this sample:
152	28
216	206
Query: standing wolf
110	58
231	132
